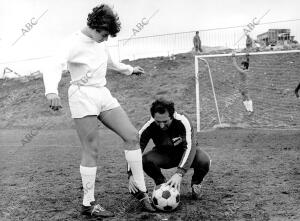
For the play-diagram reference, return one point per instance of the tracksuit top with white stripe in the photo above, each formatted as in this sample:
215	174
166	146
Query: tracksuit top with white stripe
180	127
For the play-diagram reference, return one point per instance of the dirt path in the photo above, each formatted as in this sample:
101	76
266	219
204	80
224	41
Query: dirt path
254	176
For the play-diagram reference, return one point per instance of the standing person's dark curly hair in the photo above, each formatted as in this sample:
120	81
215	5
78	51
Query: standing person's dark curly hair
103	18
162	105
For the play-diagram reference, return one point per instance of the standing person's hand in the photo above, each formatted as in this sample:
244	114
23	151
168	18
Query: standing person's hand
175	181
55	103
138	70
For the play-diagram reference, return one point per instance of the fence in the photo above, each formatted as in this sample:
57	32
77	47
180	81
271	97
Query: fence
212	39
168	44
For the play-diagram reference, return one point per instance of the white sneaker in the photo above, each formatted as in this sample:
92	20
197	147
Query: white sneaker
250	105
246	104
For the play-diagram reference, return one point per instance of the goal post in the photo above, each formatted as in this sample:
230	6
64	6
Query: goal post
199	59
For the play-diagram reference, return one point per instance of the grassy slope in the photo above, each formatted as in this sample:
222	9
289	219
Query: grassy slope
272	80
24	104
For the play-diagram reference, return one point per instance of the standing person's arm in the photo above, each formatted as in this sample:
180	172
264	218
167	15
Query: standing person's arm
237	66
52	76
120	67
297	90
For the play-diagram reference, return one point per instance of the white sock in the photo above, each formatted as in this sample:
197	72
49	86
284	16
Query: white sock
134	159
88	175
246	105
250	105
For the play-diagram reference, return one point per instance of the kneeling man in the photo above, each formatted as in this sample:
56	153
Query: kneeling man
173	137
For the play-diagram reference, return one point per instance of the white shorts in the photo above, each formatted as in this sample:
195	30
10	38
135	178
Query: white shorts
88	100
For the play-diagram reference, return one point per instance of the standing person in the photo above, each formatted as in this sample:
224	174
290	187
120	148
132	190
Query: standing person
249	42
243	72
297	90
173	137
87	59
197	42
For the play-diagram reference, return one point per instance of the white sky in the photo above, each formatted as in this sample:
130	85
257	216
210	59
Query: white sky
66	16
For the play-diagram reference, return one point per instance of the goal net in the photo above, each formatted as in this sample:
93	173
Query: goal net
272	78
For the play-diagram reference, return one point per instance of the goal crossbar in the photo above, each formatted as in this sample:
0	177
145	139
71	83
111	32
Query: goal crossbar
251	53
202	57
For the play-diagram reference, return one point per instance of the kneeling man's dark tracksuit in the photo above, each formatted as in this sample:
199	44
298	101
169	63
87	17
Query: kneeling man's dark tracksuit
183	155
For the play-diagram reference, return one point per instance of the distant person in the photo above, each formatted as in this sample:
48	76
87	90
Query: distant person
197	43
243	84
297	90
257	45
249	42
175	146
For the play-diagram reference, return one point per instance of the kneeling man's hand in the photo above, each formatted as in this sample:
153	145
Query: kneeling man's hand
175	181
132	186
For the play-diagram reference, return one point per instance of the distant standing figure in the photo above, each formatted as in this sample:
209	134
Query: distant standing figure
243	88
197	42
249	42
297	90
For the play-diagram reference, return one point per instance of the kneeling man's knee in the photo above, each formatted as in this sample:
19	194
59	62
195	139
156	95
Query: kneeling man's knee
146	159
203	159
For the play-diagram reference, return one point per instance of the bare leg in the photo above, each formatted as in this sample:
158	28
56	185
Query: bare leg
117	120
243	87
87	130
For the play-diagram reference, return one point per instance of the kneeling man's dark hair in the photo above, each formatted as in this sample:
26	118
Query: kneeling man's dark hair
162	105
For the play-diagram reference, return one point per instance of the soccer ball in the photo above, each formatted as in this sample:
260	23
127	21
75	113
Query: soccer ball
165	197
